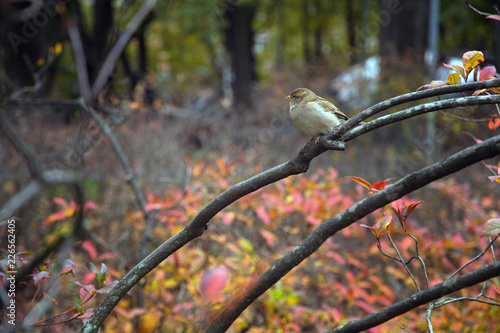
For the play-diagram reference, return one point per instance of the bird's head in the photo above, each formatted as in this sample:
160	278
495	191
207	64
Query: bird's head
300	95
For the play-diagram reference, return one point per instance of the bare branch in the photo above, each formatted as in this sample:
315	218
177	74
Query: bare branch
414	96
81	63
299	164
475	258
467	280
487	149
418	110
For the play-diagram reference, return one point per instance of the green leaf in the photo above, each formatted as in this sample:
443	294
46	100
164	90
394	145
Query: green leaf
75	299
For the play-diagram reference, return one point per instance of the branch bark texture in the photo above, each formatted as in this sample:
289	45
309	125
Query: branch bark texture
298	164
328	228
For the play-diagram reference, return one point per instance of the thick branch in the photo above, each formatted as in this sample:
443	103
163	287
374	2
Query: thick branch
408	184
467	280
195	228
418	110
413	96
298	164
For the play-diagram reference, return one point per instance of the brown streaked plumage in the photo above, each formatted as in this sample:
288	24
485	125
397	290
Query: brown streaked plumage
312	114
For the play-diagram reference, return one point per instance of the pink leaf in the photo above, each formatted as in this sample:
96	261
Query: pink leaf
268	236
60	201
213	282
90	205
90	248
487	73
493	17
263	215
228	217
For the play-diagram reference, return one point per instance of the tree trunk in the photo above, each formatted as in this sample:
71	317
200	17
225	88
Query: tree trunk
239	43
403	28
351	32
280	43
103	22
306	31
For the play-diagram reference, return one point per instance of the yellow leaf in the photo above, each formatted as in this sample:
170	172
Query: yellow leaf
246	245
453	79
58	48
170	283
471	60
149	322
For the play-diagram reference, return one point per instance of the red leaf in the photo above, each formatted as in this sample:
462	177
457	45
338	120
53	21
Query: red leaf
495	288
413	206
493	123
379	186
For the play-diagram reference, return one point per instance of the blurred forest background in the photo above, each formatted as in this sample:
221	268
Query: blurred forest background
197	102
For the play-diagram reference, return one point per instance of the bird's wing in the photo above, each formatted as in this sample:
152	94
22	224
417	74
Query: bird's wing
329	107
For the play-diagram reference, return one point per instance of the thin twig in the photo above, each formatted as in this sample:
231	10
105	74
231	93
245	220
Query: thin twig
401	260
425	296
475	258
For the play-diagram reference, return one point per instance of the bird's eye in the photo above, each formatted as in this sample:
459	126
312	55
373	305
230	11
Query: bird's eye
294	96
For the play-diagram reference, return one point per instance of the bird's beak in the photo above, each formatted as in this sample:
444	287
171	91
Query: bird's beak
288	98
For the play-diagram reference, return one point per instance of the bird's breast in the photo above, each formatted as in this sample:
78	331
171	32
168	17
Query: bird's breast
313	120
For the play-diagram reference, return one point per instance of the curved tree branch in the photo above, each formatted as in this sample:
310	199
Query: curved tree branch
298	164
418	110
414	96
467	280
329	227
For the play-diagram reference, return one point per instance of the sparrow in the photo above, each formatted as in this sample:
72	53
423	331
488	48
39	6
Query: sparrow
312	114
